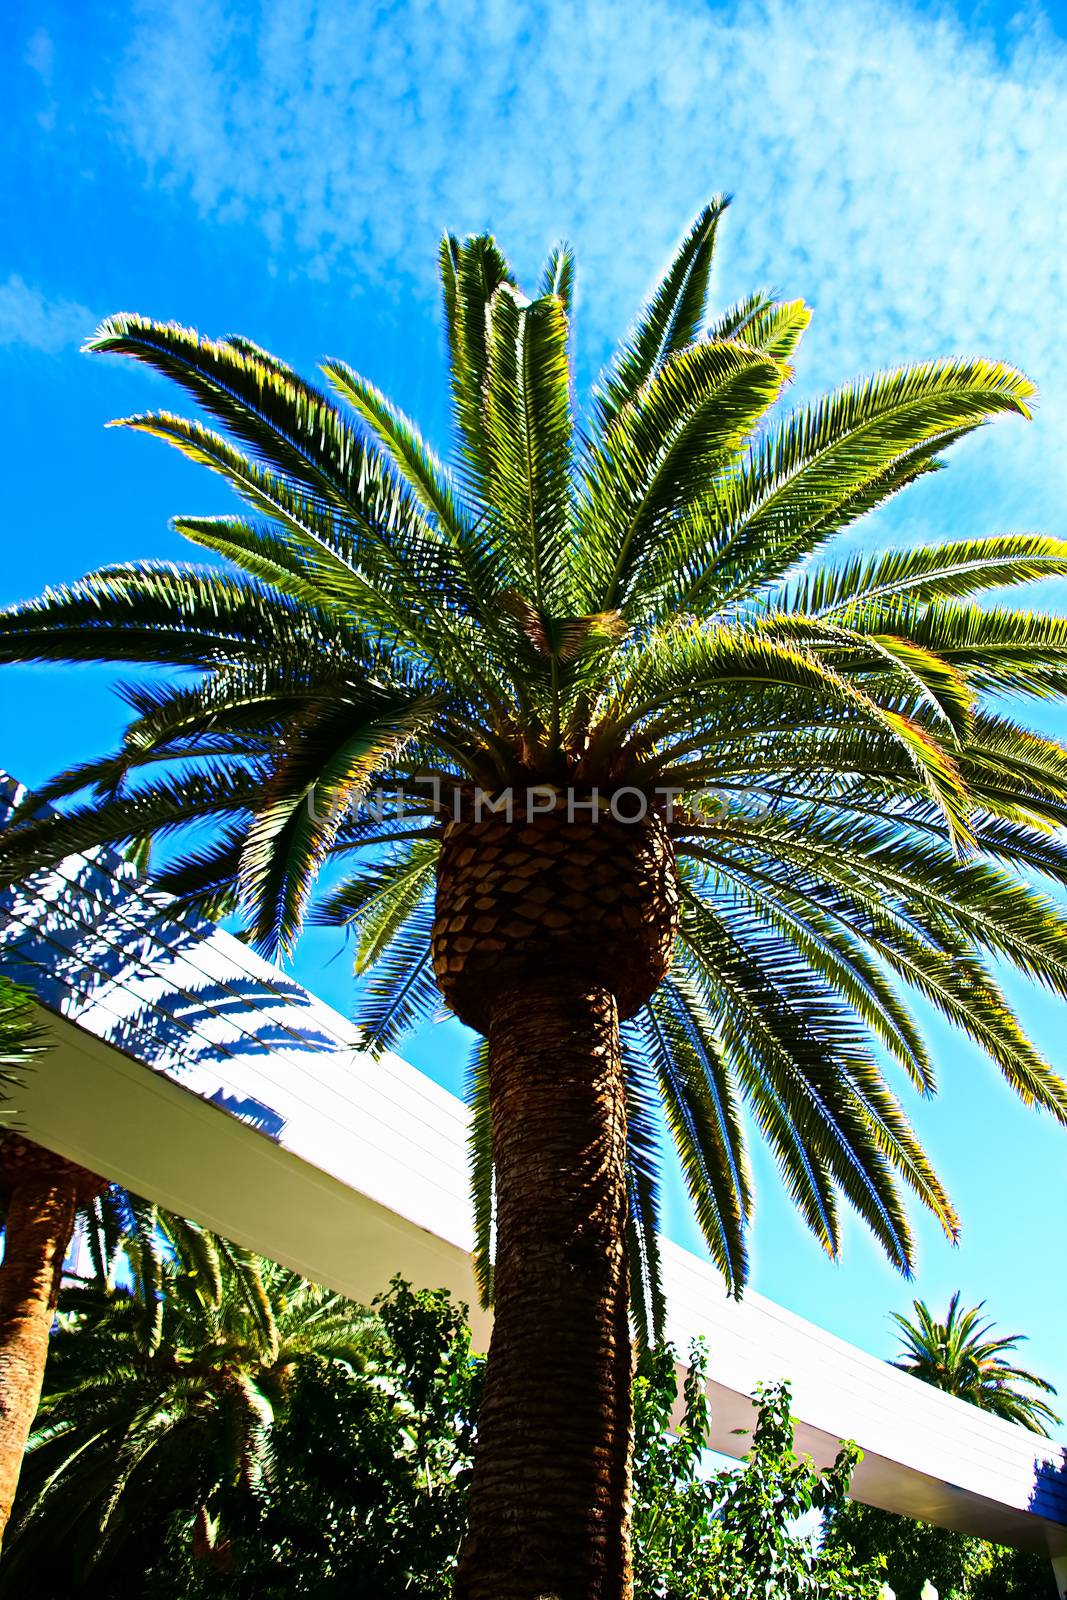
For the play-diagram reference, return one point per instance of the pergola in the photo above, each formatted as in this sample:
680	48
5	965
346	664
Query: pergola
195	1074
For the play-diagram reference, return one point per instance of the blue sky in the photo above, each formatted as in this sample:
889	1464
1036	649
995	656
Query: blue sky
285	171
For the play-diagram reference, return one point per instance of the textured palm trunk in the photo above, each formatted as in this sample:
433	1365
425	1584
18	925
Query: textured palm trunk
549	930
43	1194
550	1496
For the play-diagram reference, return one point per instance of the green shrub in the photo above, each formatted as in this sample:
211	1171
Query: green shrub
959	1567
734	1534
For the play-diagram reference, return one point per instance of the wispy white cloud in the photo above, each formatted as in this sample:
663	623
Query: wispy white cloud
40	58
29	318
905	174
40	54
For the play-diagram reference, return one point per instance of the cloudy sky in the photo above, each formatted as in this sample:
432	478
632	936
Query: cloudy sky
285	171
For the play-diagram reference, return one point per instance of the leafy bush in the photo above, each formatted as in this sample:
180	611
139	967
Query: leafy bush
234	1433
733	1534
959	1567
369	1484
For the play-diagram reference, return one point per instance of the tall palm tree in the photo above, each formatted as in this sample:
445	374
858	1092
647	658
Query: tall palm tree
162	1394
960	1356
40	1194
755	798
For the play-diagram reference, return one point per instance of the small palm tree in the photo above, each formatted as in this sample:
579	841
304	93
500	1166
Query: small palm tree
40	1195
669	806
961	1356
164	1393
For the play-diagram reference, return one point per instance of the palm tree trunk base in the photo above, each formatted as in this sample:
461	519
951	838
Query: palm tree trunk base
551	1486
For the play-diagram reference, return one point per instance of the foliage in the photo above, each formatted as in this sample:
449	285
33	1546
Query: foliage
700	1535
368	1485
632	595
249	1424
959	1356
234	1433
21	1037
959	1567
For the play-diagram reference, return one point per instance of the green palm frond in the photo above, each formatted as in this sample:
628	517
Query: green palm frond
673	443
472	270
400	990
928	572
291	427
156	613
22	1039
215	792
480	1149
410	455
803	1059
837	459
958	1354
558	277
777	329
687	1061
527	436
672	319
648	1306
733	324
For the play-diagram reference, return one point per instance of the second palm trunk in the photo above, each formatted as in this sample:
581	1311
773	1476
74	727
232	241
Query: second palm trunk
42	1193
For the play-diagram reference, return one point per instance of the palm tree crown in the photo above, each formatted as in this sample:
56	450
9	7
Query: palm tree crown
960	1356
625	603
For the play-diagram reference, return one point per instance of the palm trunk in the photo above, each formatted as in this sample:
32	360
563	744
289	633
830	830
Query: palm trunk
550	1495
43	1194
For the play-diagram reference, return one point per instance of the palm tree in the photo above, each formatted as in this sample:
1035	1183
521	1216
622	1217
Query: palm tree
44	1200
40	1194
162	1395
960	1356
754	799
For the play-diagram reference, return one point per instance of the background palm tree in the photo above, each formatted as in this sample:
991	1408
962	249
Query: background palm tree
40	1194
163	1393
756	800
961	1356
45	1202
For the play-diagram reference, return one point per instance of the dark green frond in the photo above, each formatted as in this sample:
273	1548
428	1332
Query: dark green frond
927	572
22	1038
648	1306
400	990
472	270
155	809
527	439
480	1156
837	459
669	449
703	1117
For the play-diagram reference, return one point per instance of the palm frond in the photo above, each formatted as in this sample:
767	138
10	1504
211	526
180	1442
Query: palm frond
687	1060
480	1156
672	318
